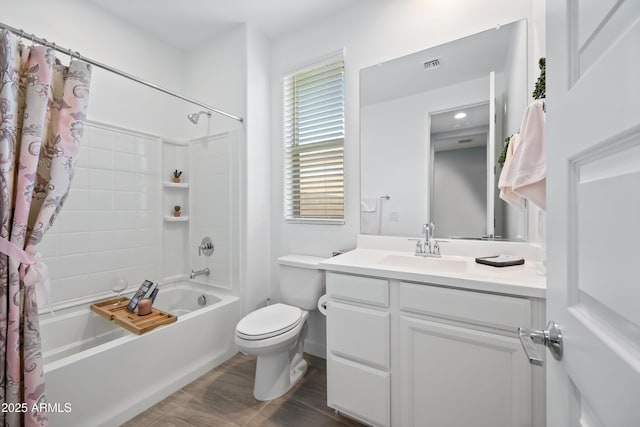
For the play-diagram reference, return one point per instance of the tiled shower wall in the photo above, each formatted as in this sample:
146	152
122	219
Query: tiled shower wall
110	225
214	200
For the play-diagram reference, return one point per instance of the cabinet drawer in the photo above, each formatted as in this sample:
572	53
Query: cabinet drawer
359	289
477	307
359	333
359	391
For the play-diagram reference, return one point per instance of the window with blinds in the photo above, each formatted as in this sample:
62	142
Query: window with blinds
314	143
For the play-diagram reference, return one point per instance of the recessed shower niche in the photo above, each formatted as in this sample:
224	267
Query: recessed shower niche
176	158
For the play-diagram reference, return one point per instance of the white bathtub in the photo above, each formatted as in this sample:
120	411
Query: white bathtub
106	375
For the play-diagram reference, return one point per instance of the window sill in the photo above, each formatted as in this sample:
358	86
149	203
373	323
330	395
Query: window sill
314	221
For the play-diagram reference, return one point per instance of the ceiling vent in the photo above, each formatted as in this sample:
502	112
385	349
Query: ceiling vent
432	64
464	141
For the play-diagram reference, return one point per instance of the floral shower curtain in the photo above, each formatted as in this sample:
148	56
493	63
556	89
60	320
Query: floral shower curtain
42	111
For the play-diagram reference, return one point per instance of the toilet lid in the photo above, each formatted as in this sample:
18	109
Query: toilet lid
269	321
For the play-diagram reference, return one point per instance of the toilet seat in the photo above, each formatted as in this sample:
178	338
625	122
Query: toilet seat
268	322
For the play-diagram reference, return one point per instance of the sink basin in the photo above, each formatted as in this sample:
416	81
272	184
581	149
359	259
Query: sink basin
426	264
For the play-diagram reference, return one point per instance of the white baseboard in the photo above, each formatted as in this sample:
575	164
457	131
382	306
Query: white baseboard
315	349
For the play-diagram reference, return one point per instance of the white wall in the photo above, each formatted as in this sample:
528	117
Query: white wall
256	267
232	73
516	96
104	38
215	73
396	148
516	99
371	32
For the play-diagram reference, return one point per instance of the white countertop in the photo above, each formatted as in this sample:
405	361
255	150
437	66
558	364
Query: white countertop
526	280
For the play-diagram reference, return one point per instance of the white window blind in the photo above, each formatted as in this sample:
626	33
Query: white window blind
314	143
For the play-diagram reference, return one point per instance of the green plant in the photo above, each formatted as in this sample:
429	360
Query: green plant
176	208
177	173
540	90
503	155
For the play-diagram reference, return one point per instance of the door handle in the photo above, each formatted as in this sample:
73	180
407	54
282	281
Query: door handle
550	337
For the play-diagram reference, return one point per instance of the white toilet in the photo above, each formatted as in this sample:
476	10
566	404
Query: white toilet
276	332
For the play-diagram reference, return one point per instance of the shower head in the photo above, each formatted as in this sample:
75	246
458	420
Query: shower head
194	117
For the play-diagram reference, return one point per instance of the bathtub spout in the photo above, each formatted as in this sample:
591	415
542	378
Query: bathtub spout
196	273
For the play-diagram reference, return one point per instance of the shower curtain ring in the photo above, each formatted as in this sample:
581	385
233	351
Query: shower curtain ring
21	35
33	42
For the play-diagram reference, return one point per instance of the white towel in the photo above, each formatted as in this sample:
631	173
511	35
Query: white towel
369	215
505	183
529	179
369	204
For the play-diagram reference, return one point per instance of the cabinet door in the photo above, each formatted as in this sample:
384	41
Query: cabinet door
359	391
454	376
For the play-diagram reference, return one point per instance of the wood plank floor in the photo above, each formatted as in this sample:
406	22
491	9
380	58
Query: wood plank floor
224	397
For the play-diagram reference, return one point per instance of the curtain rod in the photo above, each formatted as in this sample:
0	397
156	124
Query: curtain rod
121	73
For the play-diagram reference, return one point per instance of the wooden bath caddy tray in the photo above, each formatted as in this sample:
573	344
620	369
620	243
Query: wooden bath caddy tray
131	321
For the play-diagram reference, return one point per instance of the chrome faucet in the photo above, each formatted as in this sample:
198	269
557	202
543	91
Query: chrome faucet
196	273
427	229
430	247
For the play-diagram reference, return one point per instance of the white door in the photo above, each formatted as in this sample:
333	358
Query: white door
593	199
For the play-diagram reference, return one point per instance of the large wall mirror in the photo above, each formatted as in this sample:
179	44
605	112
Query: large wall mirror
432	125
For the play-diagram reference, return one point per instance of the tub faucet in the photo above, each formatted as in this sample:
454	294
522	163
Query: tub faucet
196	273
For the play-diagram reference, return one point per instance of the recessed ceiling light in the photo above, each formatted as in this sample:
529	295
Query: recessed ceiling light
460	116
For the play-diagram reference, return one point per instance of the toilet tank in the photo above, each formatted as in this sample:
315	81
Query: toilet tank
301	280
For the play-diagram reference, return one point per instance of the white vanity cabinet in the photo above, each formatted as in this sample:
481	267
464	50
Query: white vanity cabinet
358	356
461	363
415	354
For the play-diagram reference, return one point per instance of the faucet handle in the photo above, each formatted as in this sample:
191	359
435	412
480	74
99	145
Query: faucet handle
206	247
436	248
418	245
